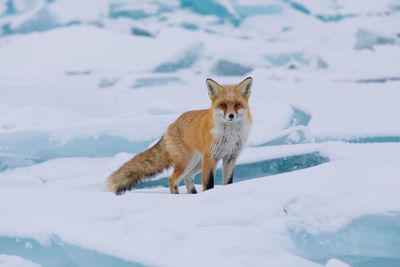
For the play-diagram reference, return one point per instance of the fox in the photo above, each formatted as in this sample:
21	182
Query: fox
195	143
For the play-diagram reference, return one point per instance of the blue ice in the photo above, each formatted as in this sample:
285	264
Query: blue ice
209	7
247	11
59	254
256	169
155	81
227	68
295	132
367	40
285	58
190	26
27	148
108	82
117	10
187	60
141	32
370	240
334	18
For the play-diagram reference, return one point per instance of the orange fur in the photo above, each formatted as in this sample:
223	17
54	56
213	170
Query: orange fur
196	140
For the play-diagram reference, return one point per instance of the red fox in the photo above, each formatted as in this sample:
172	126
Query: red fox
195	142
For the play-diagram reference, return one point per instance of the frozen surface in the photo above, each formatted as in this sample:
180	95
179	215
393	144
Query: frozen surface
371	240
56	253
15	261
86	85
324	203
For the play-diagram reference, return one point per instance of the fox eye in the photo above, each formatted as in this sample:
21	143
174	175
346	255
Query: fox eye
237	105
223	105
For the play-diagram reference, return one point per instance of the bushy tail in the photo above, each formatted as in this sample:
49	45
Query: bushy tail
143	165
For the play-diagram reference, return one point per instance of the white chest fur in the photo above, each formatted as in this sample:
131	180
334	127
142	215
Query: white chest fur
230	136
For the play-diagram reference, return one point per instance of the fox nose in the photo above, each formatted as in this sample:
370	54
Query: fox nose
231	116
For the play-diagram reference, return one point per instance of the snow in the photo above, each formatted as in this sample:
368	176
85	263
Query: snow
85	86
15	261
103	222
336	263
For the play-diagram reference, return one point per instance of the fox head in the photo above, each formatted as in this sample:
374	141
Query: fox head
230	102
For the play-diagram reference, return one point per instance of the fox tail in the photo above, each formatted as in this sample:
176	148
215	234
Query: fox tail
142	166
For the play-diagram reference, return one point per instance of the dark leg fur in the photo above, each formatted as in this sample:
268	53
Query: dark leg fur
193	191
230	179
176	189
210	180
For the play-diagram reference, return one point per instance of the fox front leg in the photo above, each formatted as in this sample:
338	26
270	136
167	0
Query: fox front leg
228	168
208	172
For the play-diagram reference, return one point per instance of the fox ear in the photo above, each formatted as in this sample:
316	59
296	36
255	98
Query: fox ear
245	86
214	89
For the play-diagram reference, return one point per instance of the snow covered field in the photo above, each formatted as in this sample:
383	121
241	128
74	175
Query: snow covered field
85	85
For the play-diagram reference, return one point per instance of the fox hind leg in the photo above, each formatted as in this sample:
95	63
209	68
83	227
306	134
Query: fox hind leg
175	179
190	184
190	177
186	170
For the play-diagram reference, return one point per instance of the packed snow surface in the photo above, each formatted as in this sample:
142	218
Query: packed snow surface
86	85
